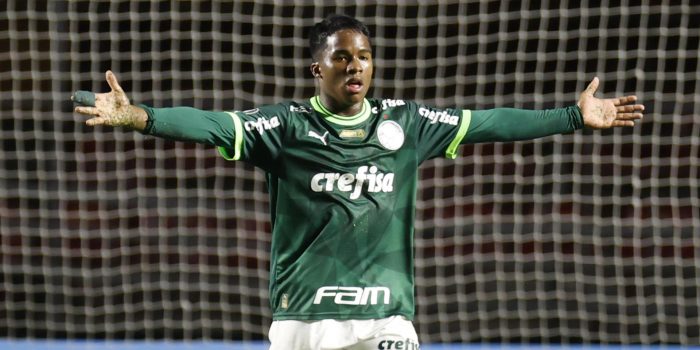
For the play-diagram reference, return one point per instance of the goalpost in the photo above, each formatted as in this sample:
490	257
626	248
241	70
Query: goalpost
592	237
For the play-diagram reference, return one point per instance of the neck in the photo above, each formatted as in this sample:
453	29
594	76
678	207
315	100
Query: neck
342	109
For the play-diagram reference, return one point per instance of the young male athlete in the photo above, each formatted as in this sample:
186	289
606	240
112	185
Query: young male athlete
342	175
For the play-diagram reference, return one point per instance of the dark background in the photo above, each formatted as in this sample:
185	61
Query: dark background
583	238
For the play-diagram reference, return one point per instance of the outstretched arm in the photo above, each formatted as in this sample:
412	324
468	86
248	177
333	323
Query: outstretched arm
175	123
111	108
606	113
508	124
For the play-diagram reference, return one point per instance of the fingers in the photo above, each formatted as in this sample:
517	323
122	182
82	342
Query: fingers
97	121
630	108
628	113
93	111
623	123
112	81
628	116
624	100
592	87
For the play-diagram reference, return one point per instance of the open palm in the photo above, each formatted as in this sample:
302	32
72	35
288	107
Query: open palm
111	108
606	113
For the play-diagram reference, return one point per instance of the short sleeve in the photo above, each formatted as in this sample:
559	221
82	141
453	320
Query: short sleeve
258	136
439	131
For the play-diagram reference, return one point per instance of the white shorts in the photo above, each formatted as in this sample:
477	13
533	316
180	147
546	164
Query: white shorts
392	333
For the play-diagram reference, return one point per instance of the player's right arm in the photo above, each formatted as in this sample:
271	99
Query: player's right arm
254	136
178	123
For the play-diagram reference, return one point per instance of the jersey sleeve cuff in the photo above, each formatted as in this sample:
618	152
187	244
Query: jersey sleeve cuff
149	120
576	117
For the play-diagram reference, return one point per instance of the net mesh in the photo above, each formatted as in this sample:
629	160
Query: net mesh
590	237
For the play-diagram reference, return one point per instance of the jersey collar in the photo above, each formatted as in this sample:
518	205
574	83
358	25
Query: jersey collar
344	120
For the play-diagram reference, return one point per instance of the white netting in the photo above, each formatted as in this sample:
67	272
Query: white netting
590	237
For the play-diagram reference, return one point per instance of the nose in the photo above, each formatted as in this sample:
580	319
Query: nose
354	66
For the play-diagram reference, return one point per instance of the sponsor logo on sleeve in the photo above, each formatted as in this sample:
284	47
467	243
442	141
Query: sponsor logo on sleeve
438	116
262	124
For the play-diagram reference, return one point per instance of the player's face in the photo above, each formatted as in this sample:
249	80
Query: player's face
344	71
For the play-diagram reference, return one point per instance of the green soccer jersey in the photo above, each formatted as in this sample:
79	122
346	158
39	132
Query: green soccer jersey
343	189
343	192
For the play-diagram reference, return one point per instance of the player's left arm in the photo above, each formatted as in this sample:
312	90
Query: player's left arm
510	124
607	113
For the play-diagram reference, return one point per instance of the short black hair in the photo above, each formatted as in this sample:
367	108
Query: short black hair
329	26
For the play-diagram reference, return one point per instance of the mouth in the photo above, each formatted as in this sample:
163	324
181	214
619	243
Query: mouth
354	85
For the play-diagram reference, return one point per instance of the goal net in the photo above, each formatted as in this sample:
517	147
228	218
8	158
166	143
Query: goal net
592	237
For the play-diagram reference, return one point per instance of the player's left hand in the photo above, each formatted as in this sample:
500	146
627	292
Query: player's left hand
610	112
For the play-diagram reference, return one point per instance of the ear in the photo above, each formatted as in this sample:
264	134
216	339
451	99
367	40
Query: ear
315	69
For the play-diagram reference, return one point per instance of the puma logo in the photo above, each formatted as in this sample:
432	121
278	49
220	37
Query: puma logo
317	136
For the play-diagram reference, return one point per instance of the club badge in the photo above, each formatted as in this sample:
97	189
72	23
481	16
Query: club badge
390	135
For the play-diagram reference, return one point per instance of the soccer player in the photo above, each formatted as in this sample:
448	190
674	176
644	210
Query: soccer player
342	175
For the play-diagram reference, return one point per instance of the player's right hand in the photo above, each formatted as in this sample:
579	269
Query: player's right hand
111	108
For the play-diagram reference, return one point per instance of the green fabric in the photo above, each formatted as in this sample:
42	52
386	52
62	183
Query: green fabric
451	152
342	209
510	124
238	140
190	124
341	119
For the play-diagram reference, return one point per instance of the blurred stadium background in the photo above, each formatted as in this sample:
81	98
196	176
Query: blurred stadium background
591	238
